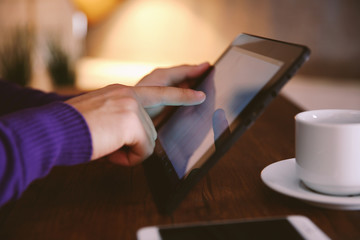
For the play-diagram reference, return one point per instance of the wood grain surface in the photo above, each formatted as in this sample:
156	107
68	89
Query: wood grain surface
100	200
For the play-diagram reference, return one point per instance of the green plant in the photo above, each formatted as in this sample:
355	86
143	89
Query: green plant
16	56
59	65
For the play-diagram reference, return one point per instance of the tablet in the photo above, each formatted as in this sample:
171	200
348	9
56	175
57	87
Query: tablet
241	83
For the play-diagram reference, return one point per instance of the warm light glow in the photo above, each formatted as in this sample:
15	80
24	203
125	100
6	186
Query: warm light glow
96	73
142	35
156	31
96	10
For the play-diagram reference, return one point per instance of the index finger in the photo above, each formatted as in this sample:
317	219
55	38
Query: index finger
170	96
173	75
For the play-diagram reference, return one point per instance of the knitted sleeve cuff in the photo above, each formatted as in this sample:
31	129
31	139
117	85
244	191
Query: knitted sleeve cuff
42	137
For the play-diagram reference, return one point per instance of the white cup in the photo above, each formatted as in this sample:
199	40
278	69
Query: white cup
328	150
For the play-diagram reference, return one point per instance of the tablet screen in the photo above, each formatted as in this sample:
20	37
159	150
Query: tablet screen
189	136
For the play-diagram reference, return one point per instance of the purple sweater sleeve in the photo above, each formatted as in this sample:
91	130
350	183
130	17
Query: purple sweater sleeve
34	140
14	97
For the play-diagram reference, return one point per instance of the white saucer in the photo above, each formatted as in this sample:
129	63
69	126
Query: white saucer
281	177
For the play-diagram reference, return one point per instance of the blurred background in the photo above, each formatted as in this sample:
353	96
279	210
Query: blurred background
79	45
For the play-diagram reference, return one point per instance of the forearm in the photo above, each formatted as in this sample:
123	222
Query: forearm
32	141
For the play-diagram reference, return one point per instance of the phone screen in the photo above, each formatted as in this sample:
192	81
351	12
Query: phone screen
267	229
190	135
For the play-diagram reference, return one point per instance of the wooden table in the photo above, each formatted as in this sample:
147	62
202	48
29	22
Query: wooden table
103	201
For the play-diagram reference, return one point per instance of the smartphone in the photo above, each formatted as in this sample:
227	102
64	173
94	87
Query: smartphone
290	227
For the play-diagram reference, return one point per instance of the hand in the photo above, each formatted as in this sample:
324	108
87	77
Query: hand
180	76
118	123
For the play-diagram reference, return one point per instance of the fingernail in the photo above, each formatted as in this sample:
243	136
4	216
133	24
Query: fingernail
201	95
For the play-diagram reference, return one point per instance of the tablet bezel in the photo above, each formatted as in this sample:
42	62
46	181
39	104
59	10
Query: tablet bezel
167	189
